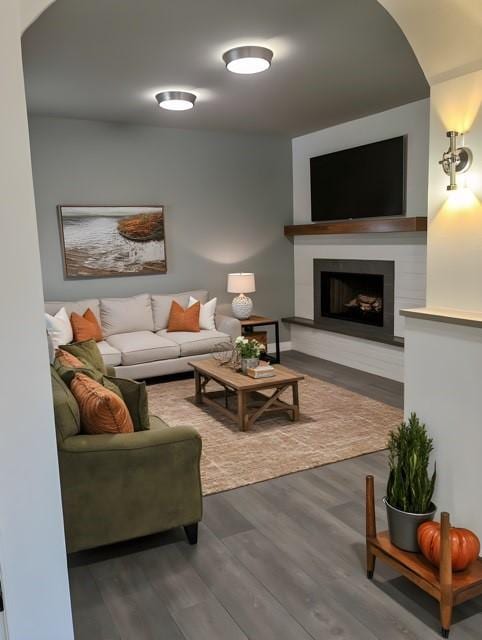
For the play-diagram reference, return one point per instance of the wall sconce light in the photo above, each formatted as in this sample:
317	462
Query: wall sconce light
455	160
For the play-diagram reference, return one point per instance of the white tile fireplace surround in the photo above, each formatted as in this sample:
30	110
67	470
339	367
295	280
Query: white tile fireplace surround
407	250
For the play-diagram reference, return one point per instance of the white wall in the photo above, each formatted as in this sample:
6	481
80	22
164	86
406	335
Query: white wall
32	550
444	362
443	385
455	220
410	119
408	251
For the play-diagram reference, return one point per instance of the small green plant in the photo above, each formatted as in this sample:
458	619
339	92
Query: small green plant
410	488
248	348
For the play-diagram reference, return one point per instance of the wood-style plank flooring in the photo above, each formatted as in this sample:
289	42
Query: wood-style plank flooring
279	560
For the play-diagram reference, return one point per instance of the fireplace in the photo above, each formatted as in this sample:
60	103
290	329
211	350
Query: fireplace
355	297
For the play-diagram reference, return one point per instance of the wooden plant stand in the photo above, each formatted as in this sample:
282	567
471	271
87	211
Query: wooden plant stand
447	587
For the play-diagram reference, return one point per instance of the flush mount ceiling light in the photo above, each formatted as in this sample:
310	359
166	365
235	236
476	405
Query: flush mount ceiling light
176	100
455	160
247	60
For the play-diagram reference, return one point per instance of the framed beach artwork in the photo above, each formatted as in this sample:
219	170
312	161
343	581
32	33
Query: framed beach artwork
106	241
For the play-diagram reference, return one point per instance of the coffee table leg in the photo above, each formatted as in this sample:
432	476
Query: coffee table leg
197	380
296	402
242	410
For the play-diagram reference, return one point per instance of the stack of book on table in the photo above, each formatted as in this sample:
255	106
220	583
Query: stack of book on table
263	370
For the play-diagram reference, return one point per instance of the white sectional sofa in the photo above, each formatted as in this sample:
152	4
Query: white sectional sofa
136	341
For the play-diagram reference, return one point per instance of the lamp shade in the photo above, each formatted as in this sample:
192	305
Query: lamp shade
241	283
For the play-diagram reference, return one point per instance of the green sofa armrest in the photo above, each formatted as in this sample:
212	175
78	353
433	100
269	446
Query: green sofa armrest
118	487
106	443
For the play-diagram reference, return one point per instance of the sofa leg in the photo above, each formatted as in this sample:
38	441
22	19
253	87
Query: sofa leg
191	532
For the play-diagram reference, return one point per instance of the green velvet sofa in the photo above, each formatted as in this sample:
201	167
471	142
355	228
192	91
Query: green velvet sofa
122	486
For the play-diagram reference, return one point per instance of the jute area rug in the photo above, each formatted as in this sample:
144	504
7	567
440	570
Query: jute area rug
335	424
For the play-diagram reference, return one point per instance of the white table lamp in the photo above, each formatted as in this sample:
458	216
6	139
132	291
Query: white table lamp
241	283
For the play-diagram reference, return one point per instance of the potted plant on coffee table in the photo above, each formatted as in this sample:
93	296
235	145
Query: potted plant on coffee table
410	487
249	351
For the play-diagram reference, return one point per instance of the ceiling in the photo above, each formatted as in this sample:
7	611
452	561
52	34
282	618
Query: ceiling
333	62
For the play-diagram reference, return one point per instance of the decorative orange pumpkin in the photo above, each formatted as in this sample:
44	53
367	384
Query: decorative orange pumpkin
465	545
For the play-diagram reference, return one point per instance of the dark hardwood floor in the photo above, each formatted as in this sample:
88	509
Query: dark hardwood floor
279	560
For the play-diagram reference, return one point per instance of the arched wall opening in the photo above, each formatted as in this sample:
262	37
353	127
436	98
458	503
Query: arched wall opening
32	550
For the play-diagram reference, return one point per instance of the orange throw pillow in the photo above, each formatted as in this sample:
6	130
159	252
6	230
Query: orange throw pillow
68	360
184	319
86	327
101	410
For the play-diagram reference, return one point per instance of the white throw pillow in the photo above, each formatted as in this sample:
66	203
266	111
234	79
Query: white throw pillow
125	315
206	315
59	328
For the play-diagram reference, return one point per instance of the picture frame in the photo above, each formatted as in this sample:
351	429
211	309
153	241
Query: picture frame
105	241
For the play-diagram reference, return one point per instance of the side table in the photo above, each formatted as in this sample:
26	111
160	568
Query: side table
247	327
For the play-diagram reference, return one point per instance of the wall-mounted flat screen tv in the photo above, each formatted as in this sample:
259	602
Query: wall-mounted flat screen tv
363	182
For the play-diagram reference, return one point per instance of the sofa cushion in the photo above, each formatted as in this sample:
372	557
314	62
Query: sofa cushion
207	313
59	328
66	359
101	409
181	319
123	315
66	409
161	305
79	306
134	395
85	327
68	372
66	365
110	355
88	352
193	344
143	346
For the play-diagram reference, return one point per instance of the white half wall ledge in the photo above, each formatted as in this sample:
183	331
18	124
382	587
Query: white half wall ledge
446	315
445	35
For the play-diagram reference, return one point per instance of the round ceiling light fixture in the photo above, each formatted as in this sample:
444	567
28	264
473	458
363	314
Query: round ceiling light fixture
176	100
248	60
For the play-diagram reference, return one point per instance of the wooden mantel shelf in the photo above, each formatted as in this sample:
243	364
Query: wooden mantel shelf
368	225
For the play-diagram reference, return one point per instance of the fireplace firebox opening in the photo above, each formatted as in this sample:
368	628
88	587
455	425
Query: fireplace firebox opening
355	297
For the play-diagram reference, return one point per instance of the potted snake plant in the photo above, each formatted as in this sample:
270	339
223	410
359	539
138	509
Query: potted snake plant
410	487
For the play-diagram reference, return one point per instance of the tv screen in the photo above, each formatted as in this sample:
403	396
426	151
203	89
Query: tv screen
363	182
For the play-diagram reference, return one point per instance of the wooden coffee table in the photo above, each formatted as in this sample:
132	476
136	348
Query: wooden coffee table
250	403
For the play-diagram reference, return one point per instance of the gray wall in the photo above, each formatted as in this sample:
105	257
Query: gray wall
226	196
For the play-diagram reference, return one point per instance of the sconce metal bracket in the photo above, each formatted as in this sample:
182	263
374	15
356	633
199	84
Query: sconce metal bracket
455	160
